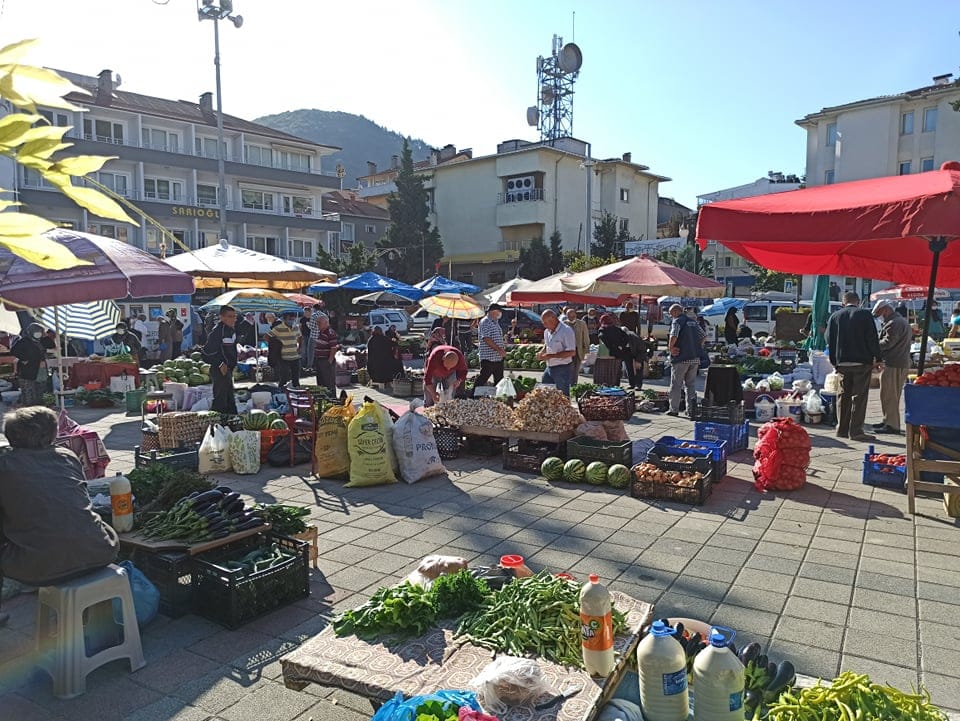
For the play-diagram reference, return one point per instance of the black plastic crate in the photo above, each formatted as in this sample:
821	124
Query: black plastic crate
696	494
171	573
731	413
589	449
487	446
232	597
702	461
182	457
527	456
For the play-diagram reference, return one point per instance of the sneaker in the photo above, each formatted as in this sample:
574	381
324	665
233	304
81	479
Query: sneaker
863	438
673	413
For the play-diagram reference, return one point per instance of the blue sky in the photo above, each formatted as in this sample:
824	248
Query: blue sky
703	92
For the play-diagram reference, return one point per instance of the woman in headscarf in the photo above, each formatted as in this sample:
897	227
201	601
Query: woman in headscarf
382	364
618	343
438	336
731	324
31	358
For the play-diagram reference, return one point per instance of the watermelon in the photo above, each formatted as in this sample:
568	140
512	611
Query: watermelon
279	425
273	416
574	471
552	468
597	473
256	420
196	357
618	476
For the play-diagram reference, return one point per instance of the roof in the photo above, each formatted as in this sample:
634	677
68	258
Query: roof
417	165
347	204
925	91
175	109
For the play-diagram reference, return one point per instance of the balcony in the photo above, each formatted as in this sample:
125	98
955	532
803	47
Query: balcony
511	211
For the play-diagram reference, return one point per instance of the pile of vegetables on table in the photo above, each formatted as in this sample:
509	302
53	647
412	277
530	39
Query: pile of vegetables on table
542	410
946	377
482	412
158	486
284	520
202	517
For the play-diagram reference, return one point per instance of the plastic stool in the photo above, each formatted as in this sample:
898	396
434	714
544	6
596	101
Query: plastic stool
69	664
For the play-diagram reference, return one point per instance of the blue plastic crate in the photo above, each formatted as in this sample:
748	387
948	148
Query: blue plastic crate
736	436
716	451
886	475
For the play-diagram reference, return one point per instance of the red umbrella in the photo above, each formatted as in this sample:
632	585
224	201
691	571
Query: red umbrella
896	228
642	275
302	300
908	292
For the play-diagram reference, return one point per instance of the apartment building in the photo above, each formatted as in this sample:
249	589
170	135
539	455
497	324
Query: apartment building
167	166
360	222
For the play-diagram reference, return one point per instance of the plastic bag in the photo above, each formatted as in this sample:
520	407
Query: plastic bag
505	389
415	447
781	456
776	382
245	452
146	597
593	429
400	709
616	431
330	448
619	709
510	681
812	403
431	567
214	452
371	454
279	454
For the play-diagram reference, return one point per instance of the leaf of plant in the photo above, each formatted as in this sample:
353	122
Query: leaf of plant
45	87
14	125
23	225
82	164
97	203
17	51
41	251
41	149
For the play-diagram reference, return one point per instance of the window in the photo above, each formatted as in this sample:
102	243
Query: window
156	139
115	181
333	241
828	178
727	261
300	249
904	167
831	134
624	195
297	205
103	131
929	120
257	200
207	194
58	119
926	164
207	147
754	312
906	123
155	238
292	161
258	155
117	232
369	229
624	225
159	189
346	232
33	179
262	244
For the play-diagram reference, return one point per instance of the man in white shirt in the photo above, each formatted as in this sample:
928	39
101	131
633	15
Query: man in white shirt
560	347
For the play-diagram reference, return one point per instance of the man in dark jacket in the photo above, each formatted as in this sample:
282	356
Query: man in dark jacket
616	341
247	330
854	350
220	352
30	356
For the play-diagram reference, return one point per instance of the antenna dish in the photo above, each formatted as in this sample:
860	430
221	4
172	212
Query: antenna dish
533	116
570	58
546	95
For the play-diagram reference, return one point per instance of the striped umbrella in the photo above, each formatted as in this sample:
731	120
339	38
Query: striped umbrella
88	321
254	300
452	305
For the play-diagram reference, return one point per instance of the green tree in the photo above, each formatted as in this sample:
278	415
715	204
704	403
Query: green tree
358	260
688	258
535	260
575	261
418	246
765	279
556	252
605	235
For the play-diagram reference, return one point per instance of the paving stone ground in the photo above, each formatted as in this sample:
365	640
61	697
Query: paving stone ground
835	576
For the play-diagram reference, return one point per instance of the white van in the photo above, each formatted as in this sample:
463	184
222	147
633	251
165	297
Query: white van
386	317
760	315
422	321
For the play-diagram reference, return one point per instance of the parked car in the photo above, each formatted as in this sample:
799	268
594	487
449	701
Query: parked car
422	321
386	317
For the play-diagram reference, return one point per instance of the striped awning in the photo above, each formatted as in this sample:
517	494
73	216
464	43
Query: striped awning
87	321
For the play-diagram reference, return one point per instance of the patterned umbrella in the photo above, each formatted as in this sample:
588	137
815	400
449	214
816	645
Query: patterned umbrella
253	300
89	321
302	300
452	305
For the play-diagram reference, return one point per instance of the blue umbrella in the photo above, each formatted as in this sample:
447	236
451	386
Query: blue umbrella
370	282
721	305
439	284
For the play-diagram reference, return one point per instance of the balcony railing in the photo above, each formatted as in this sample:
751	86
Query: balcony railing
520	196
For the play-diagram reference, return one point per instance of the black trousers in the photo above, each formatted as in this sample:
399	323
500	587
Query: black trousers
326	375
223	400
288	371
852	401
490	368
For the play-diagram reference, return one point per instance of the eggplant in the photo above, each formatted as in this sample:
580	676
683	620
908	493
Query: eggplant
761	661
752	699
247	525
206	497
771	669
223	489
750	652
678	630
784	677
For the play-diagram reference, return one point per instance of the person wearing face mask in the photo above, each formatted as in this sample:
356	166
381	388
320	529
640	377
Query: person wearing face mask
31	365
491	350
287	335
122	341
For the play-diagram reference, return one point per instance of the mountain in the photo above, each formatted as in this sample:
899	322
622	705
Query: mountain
362	140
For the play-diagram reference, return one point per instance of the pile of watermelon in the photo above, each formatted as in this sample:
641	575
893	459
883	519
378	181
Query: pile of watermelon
257	420
524	357
192	371
576	471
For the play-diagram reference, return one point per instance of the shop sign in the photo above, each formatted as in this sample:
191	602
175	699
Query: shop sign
186	211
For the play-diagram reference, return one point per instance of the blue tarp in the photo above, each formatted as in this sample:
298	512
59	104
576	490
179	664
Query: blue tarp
439	284
369	282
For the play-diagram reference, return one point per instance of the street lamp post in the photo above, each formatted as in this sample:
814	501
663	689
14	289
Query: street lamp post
218	10
588	164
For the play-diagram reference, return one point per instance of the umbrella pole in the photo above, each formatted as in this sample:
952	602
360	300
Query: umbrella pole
57	350
937	245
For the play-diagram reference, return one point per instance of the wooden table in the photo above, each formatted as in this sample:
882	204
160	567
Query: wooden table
916	464
101	371
137	542
435	661
558	438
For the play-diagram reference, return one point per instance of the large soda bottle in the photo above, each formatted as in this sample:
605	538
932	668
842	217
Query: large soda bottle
121	502
596	626
662	667
718	680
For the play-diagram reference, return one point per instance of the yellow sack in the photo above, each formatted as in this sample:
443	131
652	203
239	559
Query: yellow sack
330	449
371	453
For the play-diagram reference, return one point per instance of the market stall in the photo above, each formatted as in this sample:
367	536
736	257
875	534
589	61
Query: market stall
93	371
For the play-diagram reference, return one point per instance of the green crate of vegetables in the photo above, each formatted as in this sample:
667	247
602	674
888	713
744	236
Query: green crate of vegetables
236	586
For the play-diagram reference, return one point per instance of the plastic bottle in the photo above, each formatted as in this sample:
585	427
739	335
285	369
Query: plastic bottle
596	627
516	564
121	502
718	680
662	668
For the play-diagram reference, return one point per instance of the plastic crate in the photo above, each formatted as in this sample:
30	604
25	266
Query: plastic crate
731	413
737	436
696	494
702	461
171	573
886	475
714	451
526	456
233	597
589	449
487	446
180	458
449	441
603	407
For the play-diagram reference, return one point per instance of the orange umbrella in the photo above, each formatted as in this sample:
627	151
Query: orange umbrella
302	300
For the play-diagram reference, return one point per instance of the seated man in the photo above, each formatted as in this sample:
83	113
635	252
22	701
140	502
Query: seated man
48	530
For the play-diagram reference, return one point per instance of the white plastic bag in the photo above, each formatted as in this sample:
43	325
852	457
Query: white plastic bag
415	447
505	389
214	452
510	681
245	452
122	383
812	403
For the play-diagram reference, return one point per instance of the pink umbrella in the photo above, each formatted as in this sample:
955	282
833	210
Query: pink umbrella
118	270
641	275
302	300
905	291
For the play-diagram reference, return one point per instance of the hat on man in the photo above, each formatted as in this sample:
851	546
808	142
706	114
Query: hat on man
607	319
495	306
880	305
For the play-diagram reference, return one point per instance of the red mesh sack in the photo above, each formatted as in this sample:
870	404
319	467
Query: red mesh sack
781	455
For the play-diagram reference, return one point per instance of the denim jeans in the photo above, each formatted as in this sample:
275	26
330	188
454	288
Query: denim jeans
561	376
683	375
